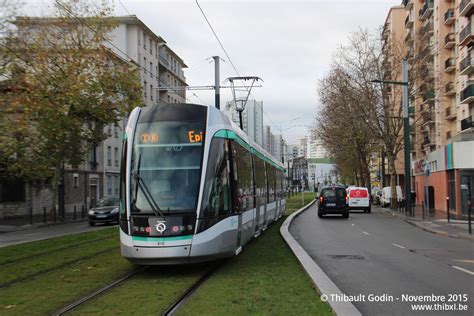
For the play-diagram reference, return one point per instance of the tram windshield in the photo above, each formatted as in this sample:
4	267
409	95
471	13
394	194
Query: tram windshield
166	167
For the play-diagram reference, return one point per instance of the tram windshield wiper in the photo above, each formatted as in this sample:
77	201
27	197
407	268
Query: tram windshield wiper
141	184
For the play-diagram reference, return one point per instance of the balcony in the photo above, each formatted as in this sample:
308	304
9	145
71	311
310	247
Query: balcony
450	115
428	118
449	40
408	38
429	96
428	142
449	17
466	66
164	62
427	9
449	89
427	73
427	29
164	84
467	95
449	65
408	4
467	124
465	8
465	37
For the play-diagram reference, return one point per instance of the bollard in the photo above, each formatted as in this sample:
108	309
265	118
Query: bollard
447	207
44	214
423	209
31	216
469	209
74	212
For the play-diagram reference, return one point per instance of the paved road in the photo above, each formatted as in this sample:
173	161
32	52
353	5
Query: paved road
45	232
380	254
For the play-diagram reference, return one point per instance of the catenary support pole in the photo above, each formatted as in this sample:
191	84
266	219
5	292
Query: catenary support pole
217	82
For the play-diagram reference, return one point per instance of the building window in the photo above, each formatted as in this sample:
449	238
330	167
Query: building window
109	185
156	69
151	48
145	88
151	69
116	185
144	40
116	156
109	156
75	178
151	92
109	129
116	131
139	38
156	51
169	99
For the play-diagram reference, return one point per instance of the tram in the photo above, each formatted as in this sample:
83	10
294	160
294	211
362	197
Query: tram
193	186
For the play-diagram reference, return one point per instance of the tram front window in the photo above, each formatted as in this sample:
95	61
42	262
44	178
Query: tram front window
166	167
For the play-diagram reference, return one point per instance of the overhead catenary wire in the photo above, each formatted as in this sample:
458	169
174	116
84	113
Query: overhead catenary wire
82	21
232	64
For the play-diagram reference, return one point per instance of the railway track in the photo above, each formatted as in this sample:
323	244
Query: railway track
45	271
176	305
100	291
171	310
41	254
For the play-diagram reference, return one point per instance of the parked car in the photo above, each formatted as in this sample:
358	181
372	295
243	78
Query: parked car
333	200
376	197
105	211
358	199
387	195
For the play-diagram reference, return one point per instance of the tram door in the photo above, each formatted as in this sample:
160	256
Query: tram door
260	194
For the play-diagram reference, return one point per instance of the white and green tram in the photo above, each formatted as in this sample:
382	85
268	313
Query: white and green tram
194	187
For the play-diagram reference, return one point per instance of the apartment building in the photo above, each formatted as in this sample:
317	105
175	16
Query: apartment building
162	78
438	41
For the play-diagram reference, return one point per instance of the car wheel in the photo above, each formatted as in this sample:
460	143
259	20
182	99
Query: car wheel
91	224
346	214
320	214
369	210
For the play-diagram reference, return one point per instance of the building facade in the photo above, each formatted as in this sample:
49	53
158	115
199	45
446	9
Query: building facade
438	41
252	119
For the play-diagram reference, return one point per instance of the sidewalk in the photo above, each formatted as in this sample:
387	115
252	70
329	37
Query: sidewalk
14	228
439	226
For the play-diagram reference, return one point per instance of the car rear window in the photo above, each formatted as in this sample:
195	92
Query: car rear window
334	192
358	193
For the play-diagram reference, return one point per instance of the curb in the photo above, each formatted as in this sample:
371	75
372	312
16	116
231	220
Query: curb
321	281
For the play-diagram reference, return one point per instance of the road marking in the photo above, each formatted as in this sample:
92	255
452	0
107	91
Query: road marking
465	261
463	270
399	246
366	233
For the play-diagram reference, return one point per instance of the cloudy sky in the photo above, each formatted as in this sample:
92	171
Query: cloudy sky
288	44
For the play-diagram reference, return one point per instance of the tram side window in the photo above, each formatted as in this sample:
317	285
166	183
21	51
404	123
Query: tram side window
216	200
244	178
277	184
260	186
271	182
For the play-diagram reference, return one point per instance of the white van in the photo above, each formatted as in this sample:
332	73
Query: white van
387	195
358	198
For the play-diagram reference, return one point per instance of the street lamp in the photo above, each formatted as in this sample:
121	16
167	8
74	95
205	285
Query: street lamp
240	107
406	132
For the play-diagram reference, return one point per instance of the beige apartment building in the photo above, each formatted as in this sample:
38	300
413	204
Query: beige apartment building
437	41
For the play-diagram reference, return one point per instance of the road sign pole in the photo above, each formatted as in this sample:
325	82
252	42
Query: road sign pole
406	138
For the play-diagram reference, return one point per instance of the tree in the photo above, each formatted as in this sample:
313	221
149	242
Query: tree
64	85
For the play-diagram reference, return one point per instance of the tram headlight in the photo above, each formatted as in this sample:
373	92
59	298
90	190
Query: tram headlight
91	212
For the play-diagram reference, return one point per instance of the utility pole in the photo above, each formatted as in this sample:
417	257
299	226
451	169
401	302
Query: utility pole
217	81
406	138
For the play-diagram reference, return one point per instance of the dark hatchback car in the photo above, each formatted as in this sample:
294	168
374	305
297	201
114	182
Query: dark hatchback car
105	211
333	200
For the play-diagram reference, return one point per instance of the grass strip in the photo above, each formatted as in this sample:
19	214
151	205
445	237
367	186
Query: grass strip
37	265
265	279
50	292
19	252
149	293
294	203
